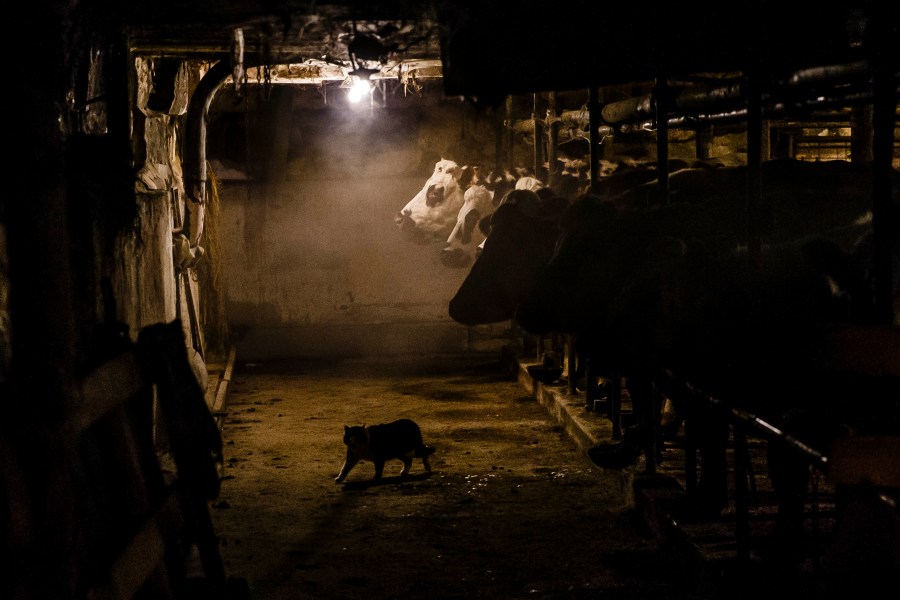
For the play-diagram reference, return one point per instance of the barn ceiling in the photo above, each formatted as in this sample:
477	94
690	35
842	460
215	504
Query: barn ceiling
489	50
297	42
594	43
518	46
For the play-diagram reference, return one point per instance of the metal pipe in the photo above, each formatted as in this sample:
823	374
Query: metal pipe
733	93
195	143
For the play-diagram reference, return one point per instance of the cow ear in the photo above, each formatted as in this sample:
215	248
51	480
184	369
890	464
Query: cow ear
466	175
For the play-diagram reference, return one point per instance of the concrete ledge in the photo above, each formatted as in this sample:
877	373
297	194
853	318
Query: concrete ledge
585	427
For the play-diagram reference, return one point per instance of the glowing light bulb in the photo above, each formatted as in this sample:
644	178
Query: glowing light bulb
359	90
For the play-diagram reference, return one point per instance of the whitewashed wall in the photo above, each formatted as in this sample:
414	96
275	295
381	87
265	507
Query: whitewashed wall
315	263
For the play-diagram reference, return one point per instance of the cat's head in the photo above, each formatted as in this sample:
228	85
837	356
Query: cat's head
355	435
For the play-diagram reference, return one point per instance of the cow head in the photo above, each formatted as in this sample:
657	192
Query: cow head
522	237
432	213
481	199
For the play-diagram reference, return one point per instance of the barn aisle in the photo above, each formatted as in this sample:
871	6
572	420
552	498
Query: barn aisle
513	508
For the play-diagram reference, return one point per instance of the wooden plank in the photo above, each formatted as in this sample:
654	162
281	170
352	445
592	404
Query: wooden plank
212	388
222	391
106	387
143	555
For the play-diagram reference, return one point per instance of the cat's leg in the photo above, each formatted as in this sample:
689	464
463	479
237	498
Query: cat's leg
349	463
379	468
425	463
407	464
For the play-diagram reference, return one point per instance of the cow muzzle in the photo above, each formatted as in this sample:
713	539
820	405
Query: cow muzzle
455	258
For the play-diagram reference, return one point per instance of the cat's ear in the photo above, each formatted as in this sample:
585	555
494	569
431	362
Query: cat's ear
346	429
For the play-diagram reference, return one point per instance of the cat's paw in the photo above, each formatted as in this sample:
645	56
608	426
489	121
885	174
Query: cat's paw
338	479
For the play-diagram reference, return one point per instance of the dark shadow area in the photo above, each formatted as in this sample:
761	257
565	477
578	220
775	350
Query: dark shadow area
352	486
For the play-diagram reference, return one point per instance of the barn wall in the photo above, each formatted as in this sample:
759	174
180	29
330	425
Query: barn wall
315	263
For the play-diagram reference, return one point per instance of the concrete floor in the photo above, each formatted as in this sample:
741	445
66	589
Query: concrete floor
513	508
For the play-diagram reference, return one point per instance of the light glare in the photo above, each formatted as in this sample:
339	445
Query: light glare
359	90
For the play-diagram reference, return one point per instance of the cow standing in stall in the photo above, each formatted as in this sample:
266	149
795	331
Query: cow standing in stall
522	241
481	199
523	233
673	288
653	287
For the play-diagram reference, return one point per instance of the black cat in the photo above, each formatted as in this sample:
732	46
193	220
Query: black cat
401	439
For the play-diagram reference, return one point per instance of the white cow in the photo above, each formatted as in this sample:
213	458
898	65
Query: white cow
433	212
453	205
481	200
467	235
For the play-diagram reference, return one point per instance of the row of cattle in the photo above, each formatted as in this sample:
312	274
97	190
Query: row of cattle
648	286
454	205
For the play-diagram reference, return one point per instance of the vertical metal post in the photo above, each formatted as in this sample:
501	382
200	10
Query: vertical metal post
651	421
572	362
661	114
498	142
741	460
552	140
594	119
861	134
538	136
883	122
510	140
702	141
590	385
690	437
754	166
615	404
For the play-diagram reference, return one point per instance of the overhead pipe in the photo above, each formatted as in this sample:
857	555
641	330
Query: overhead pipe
195	173
773	110
859	72
681	100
